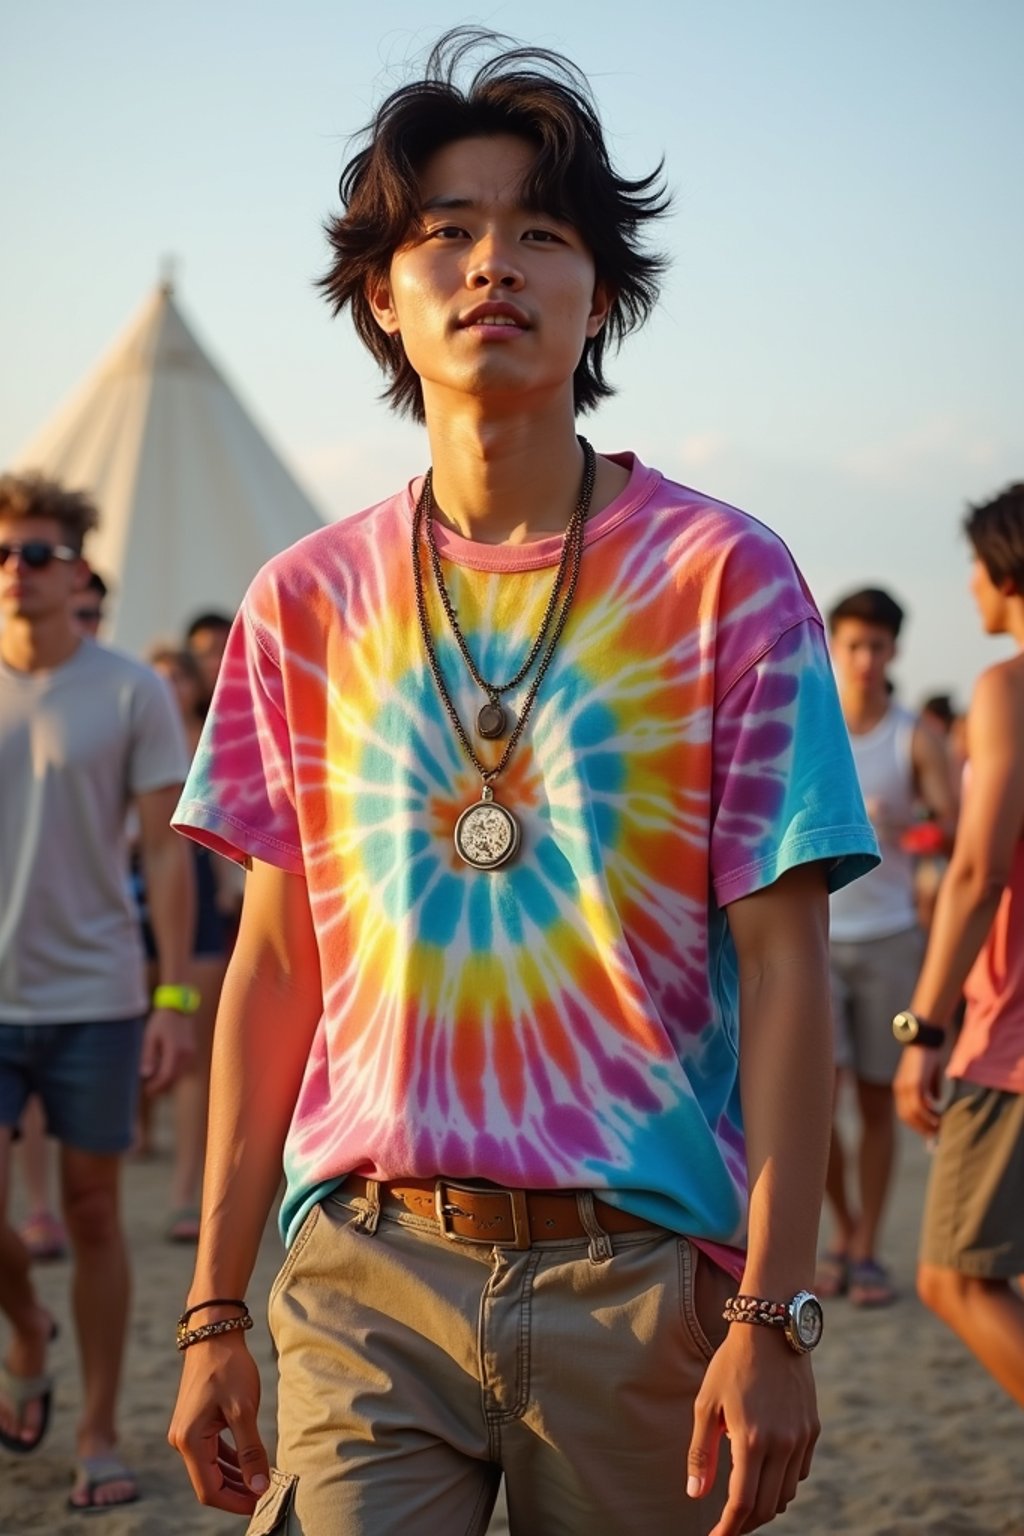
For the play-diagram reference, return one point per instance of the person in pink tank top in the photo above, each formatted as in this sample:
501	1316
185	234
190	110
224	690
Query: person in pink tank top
972	1241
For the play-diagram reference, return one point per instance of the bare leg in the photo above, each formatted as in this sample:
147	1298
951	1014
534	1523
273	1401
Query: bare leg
830	1277
100	1295
42	1232
34	1151
987	1315
30	1323
877	1157
192	1091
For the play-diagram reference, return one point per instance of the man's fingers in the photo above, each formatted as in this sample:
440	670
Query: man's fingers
702	1457
742	1497
253	1462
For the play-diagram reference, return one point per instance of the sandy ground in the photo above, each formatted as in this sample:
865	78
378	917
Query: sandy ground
917	1440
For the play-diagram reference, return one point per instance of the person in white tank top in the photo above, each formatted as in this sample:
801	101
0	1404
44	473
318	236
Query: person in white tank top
876	943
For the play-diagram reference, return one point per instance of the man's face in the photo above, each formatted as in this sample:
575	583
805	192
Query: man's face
491	299
87	612
862	654
208	647
31	591
989	599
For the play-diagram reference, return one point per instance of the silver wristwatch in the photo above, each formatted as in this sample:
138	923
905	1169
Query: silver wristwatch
801	1318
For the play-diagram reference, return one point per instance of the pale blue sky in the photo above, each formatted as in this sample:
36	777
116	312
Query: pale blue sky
840	342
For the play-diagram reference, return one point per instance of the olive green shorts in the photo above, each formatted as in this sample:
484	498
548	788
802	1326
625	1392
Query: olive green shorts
974	1210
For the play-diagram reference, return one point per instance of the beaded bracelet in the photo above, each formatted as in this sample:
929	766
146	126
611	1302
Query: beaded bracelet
189	1336
755	1309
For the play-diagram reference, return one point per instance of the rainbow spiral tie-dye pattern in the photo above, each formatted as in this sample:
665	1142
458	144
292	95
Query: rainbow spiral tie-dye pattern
570	1019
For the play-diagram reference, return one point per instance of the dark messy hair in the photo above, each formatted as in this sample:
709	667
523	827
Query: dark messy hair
870	606
211	619
996	531
537	96
34	495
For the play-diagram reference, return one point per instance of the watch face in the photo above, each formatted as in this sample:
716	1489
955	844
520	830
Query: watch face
808	1319
905	1027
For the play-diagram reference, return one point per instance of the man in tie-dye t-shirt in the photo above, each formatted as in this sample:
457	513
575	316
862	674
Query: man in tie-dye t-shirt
540	774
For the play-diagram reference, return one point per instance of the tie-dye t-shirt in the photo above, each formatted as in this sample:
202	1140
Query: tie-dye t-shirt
571	1018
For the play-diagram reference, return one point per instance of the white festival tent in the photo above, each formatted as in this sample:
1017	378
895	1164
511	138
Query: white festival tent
192	498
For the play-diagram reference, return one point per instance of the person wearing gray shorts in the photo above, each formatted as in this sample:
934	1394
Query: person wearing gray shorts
876	944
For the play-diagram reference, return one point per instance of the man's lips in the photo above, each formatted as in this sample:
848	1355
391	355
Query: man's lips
496	315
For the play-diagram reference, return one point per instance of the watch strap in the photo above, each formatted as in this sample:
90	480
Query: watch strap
179	999
756	1309
911	1030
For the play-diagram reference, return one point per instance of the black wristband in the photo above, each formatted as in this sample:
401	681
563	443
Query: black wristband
218	1301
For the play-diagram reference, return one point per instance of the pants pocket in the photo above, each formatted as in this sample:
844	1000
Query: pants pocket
272	1515
703	1290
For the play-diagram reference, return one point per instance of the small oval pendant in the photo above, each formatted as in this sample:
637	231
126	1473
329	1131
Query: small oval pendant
486	834
490	722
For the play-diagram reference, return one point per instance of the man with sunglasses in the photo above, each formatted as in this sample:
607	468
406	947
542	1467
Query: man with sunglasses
84	732
87	606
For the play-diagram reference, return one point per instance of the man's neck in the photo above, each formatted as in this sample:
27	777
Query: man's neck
863	711
29	646
512	479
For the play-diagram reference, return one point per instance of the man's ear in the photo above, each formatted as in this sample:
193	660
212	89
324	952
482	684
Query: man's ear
81	574
600	308
378	296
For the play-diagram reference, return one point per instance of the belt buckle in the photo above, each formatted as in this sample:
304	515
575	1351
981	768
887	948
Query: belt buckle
518	1210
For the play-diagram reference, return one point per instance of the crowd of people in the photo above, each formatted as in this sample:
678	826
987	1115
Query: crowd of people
546	780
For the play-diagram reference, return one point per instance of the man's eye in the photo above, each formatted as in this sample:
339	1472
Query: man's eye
543	235
447	232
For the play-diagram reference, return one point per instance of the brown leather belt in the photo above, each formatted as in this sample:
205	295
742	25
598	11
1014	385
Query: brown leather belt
504	1218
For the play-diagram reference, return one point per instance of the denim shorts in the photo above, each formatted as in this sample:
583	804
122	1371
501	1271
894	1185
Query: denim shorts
86	1075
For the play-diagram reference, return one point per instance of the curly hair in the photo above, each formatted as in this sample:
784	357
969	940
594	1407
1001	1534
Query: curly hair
534	95
33	495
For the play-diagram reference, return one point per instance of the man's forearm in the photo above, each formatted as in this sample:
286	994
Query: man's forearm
170	894
786	1080
264	1029
964	912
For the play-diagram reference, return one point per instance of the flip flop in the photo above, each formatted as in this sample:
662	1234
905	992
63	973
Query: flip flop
870	1285
20	1391
832	1276
94	1472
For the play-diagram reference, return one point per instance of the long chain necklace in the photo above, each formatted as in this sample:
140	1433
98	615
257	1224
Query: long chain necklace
491	721
487	833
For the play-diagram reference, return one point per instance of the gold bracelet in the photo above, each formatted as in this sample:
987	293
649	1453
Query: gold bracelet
186	1337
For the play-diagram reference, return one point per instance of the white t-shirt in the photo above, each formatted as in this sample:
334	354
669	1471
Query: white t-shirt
76	744
882	904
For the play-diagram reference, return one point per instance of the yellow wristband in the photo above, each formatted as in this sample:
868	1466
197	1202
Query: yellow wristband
178	999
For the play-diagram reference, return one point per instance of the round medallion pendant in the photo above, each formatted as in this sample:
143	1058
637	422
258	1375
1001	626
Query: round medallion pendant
490	722
486	834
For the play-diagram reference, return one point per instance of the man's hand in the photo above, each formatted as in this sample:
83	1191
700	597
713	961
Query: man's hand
168	1049
761	1394
916	1086
220	1395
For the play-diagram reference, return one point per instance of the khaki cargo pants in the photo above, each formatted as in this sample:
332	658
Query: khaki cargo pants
416	1370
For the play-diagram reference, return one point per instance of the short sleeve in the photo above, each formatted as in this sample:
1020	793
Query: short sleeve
159	753
240	796
785	790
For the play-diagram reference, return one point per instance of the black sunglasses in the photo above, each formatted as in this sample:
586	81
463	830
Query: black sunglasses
37	553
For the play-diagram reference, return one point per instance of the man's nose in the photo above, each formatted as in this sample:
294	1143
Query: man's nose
493	263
